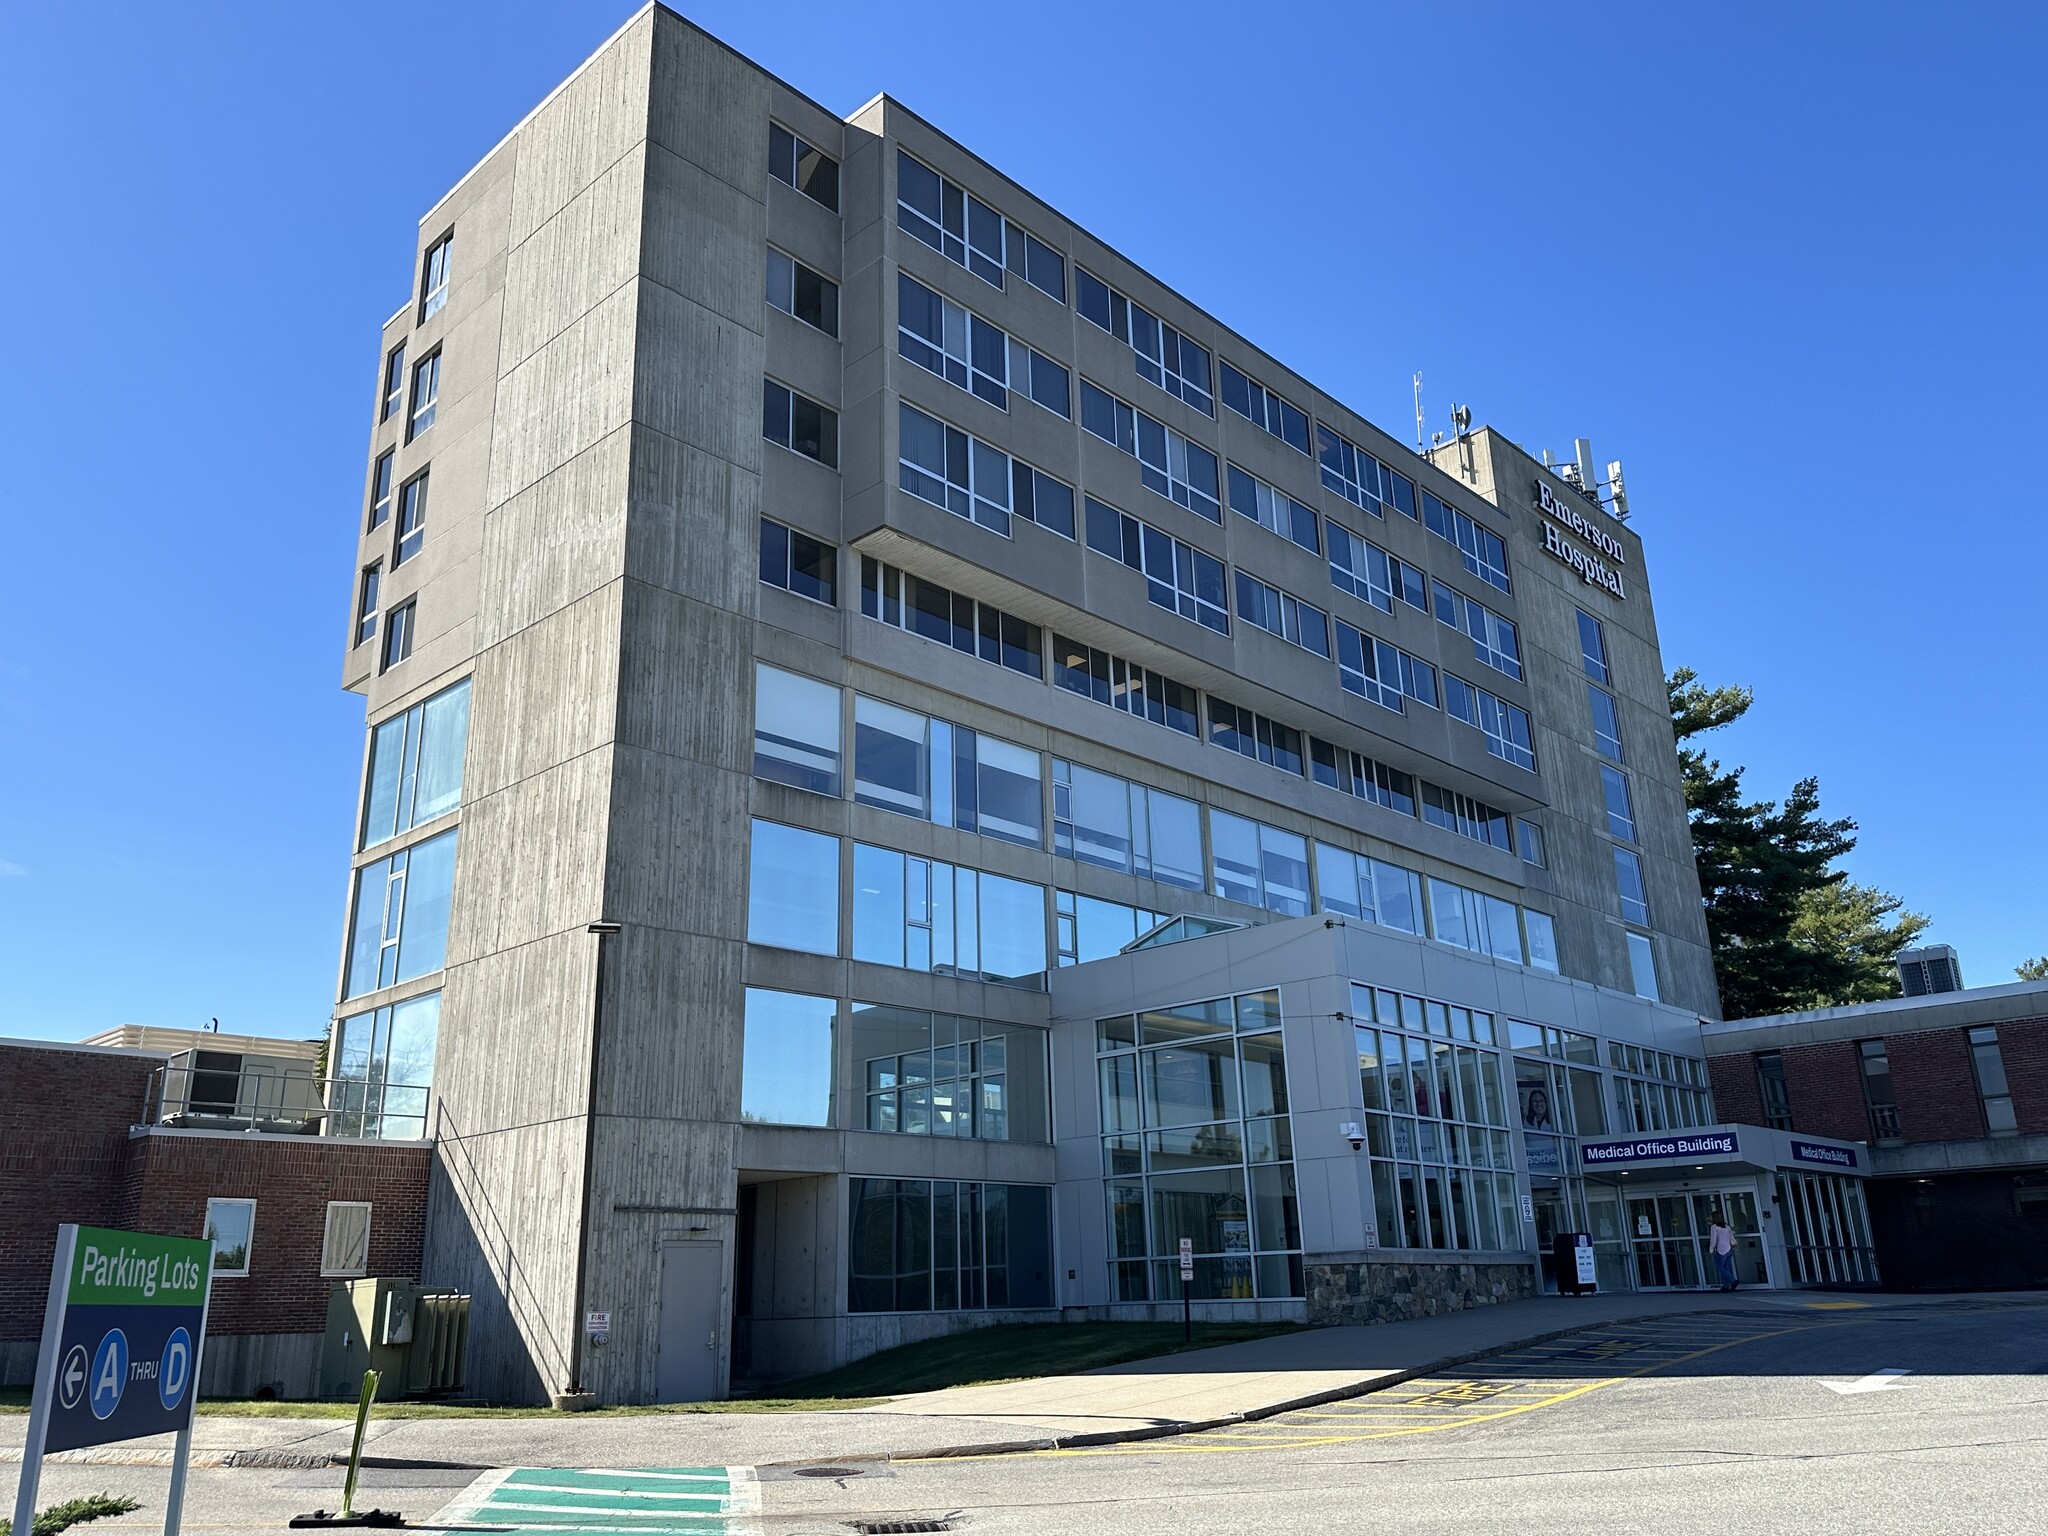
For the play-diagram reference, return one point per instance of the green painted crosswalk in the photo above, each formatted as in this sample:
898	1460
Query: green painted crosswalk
595	1501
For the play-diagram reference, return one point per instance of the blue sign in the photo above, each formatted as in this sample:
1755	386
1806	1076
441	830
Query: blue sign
109	1374
1826	1156
1657	1149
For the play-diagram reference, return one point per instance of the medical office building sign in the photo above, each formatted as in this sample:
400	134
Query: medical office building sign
1591	569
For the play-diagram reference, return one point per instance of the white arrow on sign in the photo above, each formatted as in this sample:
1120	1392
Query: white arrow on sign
73	1381
1876	1381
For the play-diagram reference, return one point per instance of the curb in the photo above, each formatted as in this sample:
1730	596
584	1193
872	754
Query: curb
1361	1388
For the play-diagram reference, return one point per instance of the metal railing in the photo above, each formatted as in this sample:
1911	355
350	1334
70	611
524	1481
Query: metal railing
282	1101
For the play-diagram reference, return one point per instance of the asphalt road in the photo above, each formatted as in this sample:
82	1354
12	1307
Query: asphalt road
1708	1422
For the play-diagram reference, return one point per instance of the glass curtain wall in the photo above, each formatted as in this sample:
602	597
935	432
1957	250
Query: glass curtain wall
942	1074
1435	1123
933	1245
383	1071
1197	1143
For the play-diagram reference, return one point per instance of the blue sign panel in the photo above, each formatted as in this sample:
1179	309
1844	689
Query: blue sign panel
122	1372
1825	1156
1656	1149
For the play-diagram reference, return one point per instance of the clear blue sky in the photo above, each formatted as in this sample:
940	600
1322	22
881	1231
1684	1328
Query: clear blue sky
1785	262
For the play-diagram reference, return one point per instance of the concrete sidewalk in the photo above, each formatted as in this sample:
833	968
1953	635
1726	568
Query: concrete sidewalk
1165	1395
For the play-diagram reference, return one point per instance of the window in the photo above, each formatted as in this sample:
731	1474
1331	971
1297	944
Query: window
345	1240
1465	816
1178	577
1363	569
924	1245
801	293
231	1228
1878	1097
383	1071
380	490
1360	478
796	730
965	350
412	518
399	925
416	765
366	602
1541	933
434	275
924	915
1474	920
1505	726
1621	816
1165	357
1770	1082
1198	1144
798	563
1273	509
1037	263
1259	865
1170	465
1259	405
1253	735
1592	646
910	602
940	1074
1283	614
1642	965
1436	1124
1480	550
1356	774
1371	890
799	424
786	1059
426	394
1606	722
1118	824
398	628
1383	673
1992	1087
394	382
1088	929
1494	642
1529	839
793	889
795	163
971	479
952	221
1124	685
1628	880
929	768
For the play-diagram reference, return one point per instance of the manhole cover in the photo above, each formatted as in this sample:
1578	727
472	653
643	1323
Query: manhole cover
829	1471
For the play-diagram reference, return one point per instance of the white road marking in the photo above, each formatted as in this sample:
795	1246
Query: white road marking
1876	1381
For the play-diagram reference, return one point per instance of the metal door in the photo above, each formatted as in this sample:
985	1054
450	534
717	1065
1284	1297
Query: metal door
692	1296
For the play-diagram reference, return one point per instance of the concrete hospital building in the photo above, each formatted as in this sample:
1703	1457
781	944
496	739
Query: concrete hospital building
1049	782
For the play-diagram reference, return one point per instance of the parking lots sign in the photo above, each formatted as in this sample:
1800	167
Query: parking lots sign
122	1335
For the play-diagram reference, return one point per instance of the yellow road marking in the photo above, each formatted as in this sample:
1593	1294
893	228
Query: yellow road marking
1251	1437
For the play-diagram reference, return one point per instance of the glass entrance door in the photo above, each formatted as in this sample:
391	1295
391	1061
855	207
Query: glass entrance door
1737	1207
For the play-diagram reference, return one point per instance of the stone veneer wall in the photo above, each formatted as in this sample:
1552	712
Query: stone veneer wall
1381	1288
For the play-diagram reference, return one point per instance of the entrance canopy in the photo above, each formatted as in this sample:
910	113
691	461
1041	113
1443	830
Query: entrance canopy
1716	1150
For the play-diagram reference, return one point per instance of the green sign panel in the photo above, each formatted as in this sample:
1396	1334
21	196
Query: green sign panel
137	1269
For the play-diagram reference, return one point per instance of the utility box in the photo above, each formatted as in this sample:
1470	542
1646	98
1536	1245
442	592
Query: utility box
417	1339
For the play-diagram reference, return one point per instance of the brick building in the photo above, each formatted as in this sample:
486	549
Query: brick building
78	1144
1950	1092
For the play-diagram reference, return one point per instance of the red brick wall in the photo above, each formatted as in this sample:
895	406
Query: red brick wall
172	1175
2024	1048
1825	1084
64	1118
1737	1097
1935	1085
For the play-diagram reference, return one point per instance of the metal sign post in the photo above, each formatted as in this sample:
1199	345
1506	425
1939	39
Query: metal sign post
123	1332
1187	1281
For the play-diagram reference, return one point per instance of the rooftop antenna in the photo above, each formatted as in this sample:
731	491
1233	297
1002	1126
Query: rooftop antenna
1617	493
1418	411
1461	419
1582	450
